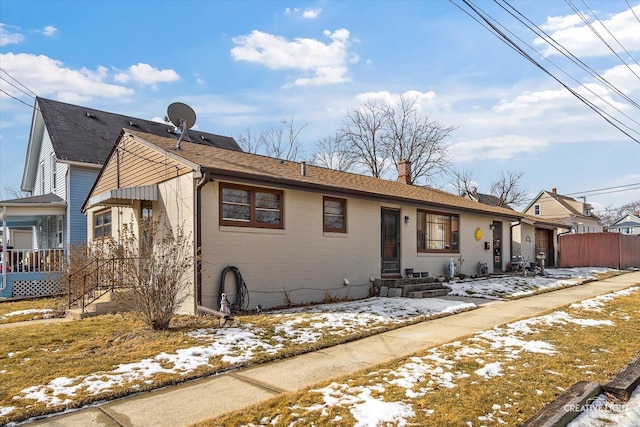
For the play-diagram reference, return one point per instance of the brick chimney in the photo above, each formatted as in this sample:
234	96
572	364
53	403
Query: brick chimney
404	172
554	190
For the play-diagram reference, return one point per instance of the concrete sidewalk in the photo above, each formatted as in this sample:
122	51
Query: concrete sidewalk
201	399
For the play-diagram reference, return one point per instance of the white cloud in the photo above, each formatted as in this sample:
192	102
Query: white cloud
424	99
7	37
311	13
306	14
49	30
145	74
580	40
495	148
555	23
326	62
46	77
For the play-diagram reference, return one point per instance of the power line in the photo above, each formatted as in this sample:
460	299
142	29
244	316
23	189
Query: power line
490	23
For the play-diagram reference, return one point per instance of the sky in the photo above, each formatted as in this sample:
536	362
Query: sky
248	65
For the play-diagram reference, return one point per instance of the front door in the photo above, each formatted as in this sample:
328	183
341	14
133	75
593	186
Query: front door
497	246
390	219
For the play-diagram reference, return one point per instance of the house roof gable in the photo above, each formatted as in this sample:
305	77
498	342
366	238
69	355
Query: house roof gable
86	135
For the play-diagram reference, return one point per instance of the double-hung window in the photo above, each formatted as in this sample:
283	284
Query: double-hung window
102	224
438	232
250	206
335	215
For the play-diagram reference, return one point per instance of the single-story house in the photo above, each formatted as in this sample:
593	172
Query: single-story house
297	233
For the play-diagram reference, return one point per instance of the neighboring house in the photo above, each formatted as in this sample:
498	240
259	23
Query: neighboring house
551	206
298	233
628	224
487	199
68	145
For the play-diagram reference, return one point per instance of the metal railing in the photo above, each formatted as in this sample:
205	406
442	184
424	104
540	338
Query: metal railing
93	280
33	261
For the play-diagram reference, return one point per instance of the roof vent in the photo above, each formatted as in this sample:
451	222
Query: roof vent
131	123
303	168
89	114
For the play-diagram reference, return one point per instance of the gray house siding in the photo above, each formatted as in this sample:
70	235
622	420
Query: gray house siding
80	182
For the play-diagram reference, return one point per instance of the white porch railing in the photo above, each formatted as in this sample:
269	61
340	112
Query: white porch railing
33	261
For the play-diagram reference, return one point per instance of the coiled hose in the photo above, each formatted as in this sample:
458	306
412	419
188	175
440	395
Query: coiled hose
242	293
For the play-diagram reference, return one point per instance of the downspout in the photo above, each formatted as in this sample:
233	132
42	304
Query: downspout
206	178
4	248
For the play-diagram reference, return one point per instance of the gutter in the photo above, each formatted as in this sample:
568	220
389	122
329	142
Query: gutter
206	178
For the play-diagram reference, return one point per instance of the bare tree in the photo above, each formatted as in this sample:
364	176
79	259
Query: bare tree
508	189
13	191
383	134
611	214
283	141
333	152
415	137
251	142
462	181
363	130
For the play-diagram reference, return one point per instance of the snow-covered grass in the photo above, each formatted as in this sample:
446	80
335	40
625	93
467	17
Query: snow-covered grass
96	362
517	285
111	356
500	376
19	311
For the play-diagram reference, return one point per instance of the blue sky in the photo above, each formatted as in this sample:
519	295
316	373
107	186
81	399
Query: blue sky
247	65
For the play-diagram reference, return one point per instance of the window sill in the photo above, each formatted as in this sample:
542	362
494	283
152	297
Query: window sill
252	230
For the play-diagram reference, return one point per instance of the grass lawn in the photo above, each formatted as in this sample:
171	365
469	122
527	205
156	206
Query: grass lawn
19	311
501	376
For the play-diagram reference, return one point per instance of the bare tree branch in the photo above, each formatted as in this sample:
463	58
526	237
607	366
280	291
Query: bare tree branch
463	182
252	143
333	152
508	189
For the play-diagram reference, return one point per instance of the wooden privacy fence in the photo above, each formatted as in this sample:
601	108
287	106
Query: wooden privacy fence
613	250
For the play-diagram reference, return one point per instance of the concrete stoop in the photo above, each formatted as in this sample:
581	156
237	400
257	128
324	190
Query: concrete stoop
111	302
580	396
415	287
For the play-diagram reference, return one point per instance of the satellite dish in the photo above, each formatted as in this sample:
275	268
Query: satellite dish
183	117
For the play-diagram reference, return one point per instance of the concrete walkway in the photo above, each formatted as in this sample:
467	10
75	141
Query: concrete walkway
201	399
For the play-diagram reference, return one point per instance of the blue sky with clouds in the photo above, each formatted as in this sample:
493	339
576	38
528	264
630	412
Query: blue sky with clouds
249	64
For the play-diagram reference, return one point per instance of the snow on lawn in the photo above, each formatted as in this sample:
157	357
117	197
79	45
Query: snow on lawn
602	412
499	287
237	345
45	311
421	375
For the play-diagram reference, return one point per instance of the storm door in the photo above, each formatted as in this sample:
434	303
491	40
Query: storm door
497	246
390	245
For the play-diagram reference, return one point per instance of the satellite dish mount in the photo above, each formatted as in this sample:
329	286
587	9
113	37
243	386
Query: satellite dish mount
183	117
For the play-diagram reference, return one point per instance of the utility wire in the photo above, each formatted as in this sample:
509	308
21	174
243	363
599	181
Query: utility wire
501	35
597	33
632	11
564	51
16	80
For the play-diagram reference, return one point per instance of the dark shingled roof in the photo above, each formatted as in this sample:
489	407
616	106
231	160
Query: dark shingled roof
45	198
82	134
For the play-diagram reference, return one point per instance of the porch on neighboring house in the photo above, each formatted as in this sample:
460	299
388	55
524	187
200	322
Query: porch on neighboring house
33	245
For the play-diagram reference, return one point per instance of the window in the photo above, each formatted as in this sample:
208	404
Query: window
335	215
438	232
60	231
536	209
53	172
102	224
250	206
146	224
42	178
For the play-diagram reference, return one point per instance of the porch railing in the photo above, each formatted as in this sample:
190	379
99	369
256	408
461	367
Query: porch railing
94	280
33	261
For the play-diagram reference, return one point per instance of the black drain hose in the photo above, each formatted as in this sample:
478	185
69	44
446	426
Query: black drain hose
242	294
